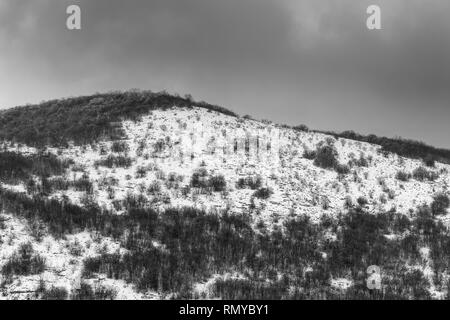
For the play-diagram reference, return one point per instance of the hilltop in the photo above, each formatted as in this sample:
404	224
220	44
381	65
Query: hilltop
144	195
86	119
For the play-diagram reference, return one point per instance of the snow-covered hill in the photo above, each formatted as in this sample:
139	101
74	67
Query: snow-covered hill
193	157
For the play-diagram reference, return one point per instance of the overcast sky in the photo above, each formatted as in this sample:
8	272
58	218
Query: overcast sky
290	61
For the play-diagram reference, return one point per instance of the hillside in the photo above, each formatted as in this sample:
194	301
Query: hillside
87	119
149	196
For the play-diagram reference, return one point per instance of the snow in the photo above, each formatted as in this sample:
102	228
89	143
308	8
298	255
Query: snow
341	284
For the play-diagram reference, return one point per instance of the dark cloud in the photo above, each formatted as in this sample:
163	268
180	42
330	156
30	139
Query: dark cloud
293	61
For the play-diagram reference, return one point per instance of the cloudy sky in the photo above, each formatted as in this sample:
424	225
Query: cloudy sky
290	61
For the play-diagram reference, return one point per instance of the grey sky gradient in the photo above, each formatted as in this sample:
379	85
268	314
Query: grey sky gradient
290	61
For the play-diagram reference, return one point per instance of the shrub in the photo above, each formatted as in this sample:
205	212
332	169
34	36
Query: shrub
403	176
83	184
240	184
424	222
135	201
342	169
154	188
245	289
430	161
108	181
263	193
309	154
422	174
361	162
173	180
58	183
87	292
391	194
253	183
103	293
301	127
119	146
218	183
75	248
103	150
141	172
31	186
362	201
55	294
198	179
326	157
325	203
433	176
111	192
45	188
401	223
115	161
330	141
159	146
160	174
24	262
440	204
348	202
91	266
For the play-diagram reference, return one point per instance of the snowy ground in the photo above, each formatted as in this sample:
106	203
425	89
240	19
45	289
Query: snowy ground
197	138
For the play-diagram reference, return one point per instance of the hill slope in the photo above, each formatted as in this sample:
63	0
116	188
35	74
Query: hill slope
193	201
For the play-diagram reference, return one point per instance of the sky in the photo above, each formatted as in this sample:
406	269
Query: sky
290	61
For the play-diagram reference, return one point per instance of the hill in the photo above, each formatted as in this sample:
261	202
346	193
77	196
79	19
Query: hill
186	200
86	119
